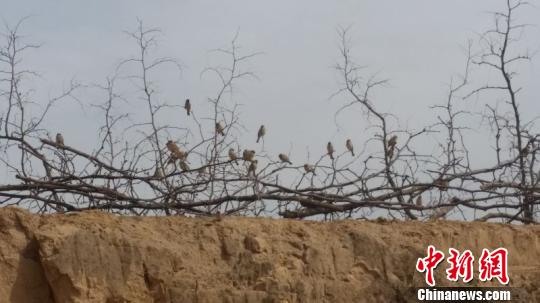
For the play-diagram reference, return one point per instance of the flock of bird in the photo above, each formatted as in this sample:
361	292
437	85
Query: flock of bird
249	155
176	154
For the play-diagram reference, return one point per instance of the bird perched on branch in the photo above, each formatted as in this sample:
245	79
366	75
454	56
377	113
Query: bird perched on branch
440	213
284	158
488	185
525	150
391	146
441	184
187	107
261	133
184	166
309	168
419	201
248	155
232	156
59	139
349	146
158	173
252	168
330	150
391	152
455	200
203	170
220	129
175	151
172	159
392	141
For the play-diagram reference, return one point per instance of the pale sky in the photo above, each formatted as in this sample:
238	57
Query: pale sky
416	44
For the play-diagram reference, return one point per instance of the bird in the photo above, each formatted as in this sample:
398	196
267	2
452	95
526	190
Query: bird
442	184
220	129
330	150
391	152
392	141
187	106
486	186
455	200
252	168
203	170
175	150
184	166
158	173
309	168
349	146
261	133
59	139
232	155
172	159
440	213
284	158
419	201
172	147
248	155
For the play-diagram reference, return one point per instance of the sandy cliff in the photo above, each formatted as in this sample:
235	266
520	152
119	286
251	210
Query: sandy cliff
97	257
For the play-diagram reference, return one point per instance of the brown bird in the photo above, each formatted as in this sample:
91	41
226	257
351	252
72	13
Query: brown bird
442	184
284	158
248	155
486	186
391	152
330	150
232	155
203	170
220	129
172	159
440	213
158	173
187	107
60	139
184	166
419	201
309	168
175	151
455	200
261	133
252	168
349	146
392	141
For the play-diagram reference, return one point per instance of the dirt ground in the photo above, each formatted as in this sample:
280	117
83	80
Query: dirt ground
98	257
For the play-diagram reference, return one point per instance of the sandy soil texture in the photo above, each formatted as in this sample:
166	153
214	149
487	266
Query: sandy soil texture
98	257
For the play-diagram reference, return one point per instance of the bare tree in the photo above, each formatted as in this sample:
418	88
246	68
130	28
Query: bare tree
146	164
498	55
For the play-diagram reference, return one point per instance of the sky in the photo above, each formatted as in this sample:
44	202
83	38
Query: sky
416	44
